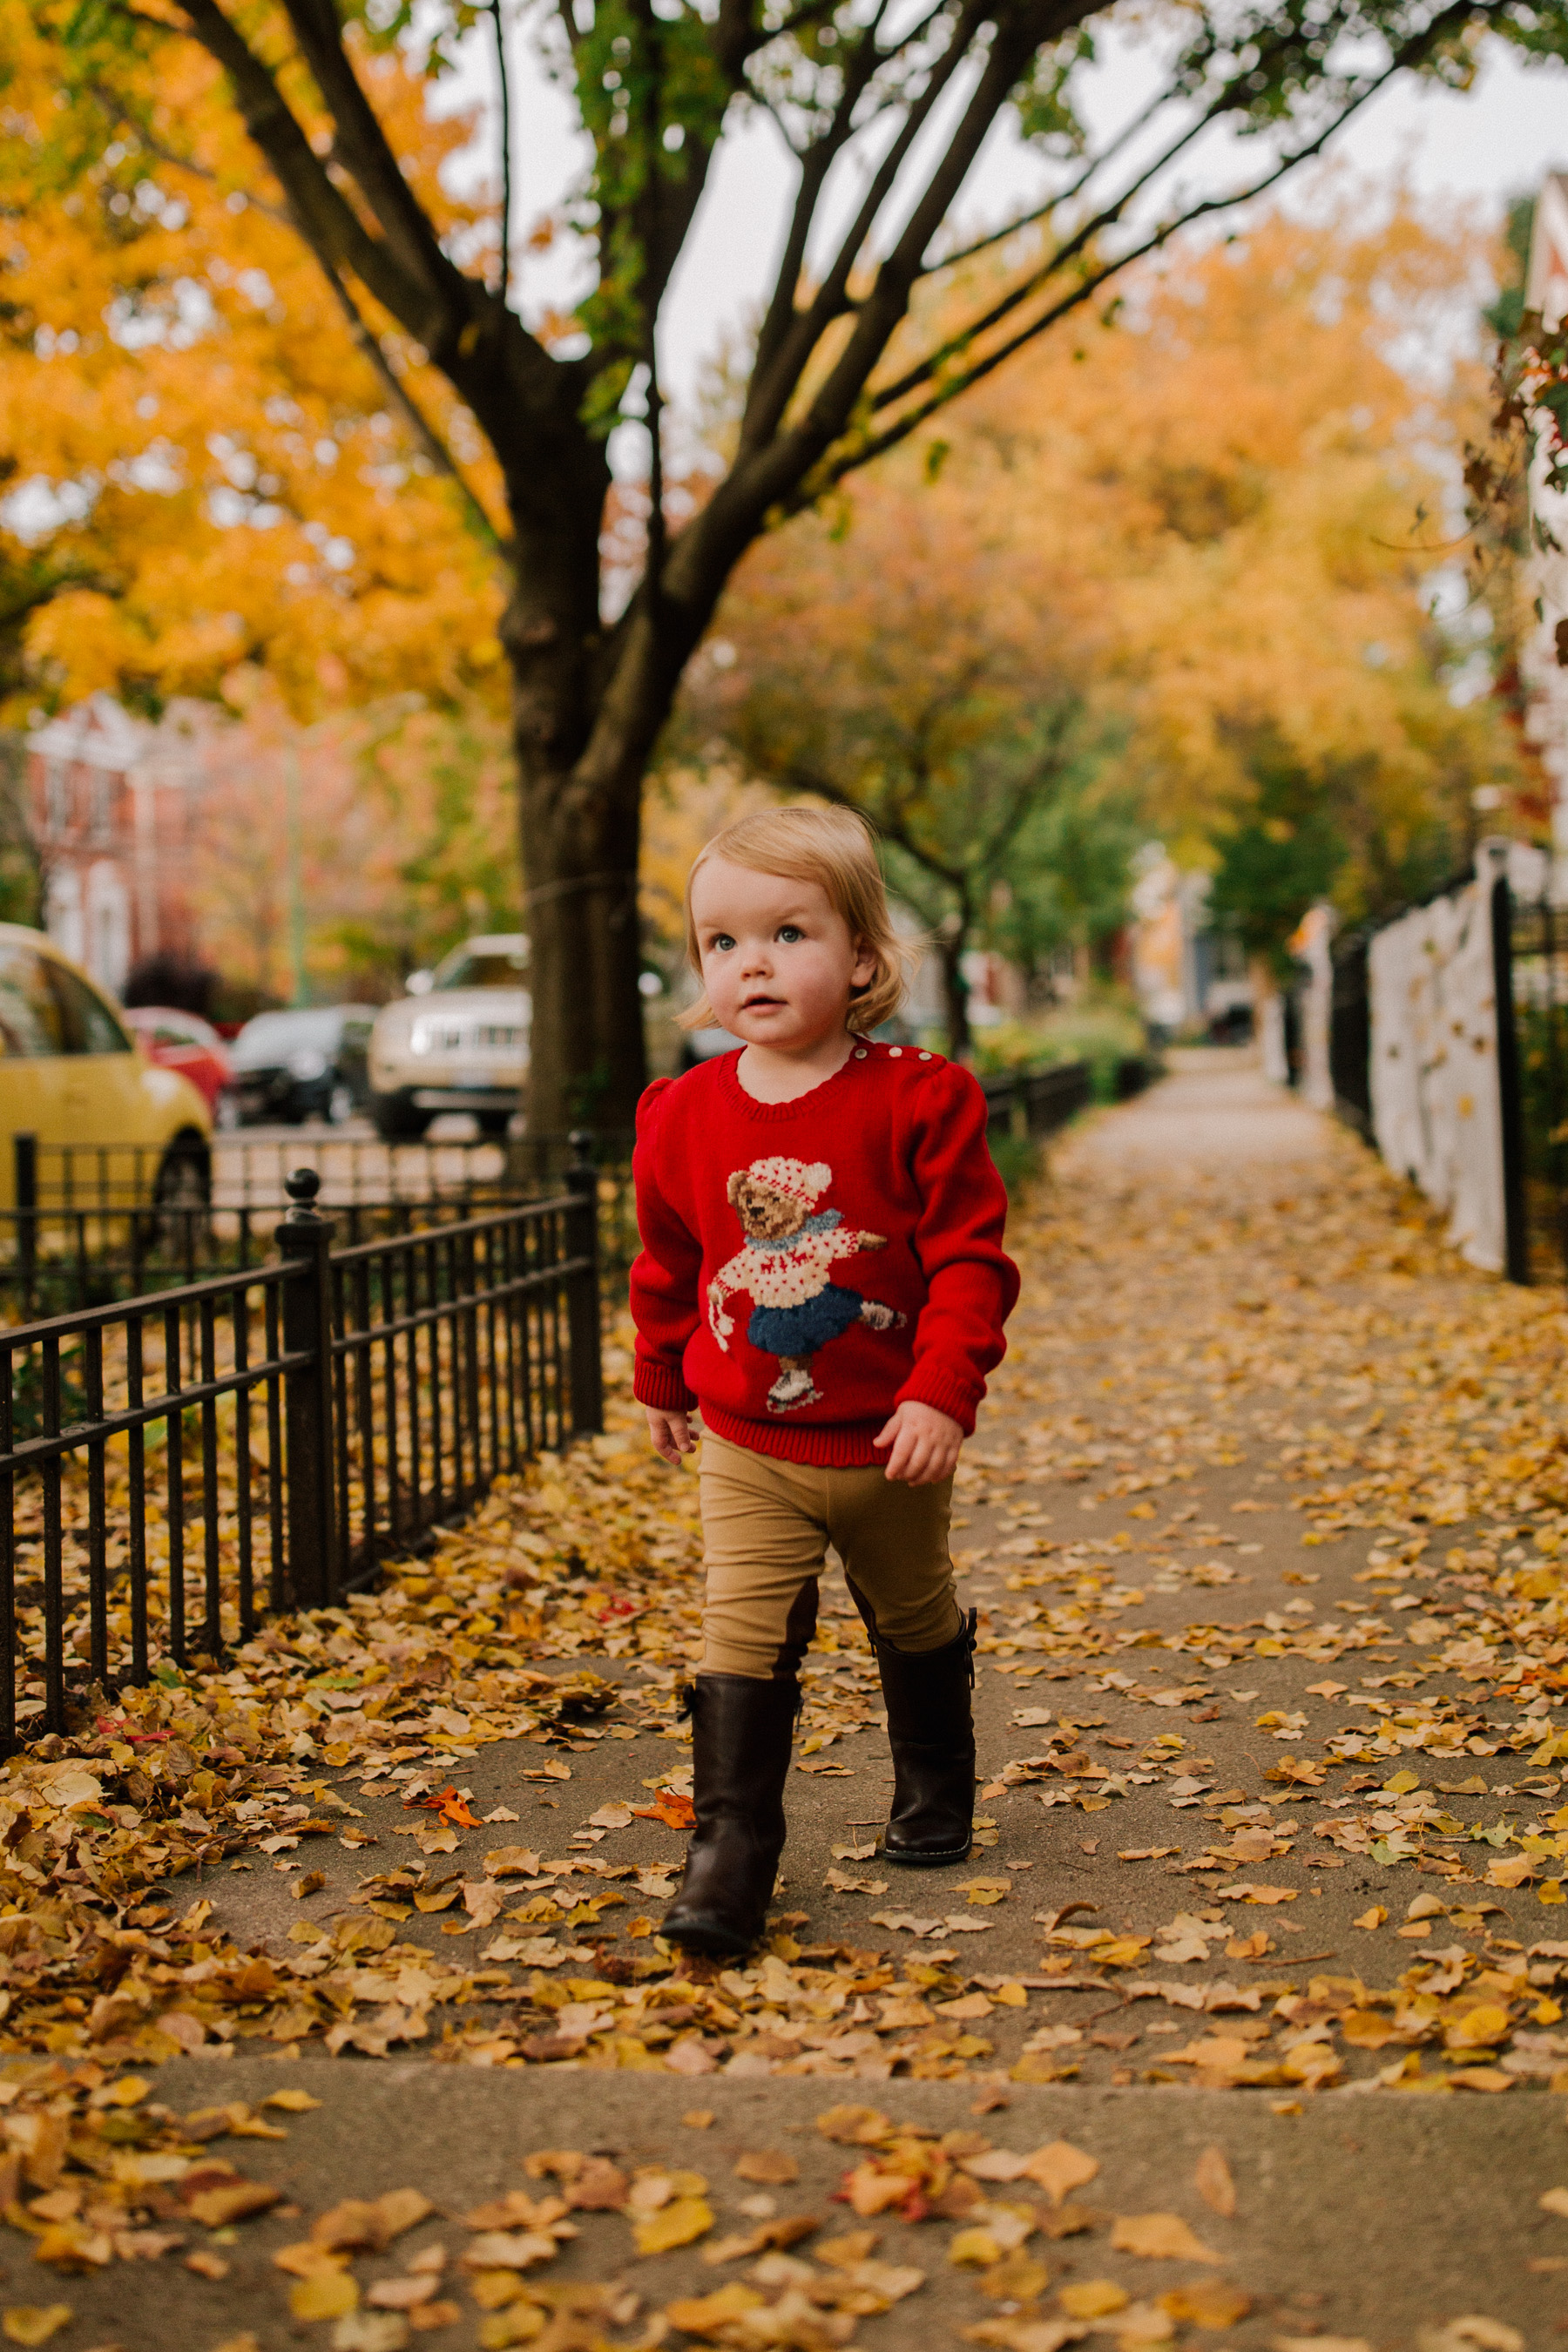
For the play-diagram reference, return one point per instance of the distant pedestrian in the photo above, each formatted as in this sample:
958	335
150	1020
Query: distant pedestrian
844	1189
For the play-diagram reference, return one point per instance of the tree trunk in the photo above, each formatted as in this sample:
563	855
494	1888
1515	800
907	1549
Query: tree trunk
580	770
954	947
579	859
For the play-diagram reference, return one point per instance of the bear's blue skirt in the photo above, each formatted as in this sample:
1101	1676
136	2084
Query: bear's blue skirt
801	1330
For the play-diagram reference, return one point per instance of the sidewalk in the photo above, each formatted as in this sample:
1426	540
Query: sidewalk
1262	1521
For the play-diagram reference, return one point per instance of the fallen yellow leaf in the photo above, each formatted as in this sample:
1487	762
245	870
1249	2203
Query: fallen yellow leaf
292	2101
1555	2200
325	2294
1093	2299
519	2324
1059	2167
975	2246
1477	2028
234	2201
1212	2303
704	2315
34	2323
769	2166
1213	2184
1375	1918
674	2224
1163	2237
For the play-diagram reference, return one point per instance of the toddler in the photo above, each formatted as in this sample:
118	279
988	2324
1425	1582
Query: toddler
821	1271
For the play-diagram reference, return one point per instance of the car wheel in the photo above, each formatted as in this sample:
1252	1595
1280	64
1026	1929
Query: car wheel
396	1120
182	1195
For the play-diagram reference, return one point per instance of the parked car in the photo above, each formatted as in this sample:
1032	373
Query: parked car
306	1063
184	1042
71	1072
459	1041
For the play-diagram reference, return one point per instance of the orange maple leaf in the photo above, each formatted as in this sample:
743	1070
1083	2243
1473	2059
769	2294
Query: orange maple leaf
448	1806
676	1813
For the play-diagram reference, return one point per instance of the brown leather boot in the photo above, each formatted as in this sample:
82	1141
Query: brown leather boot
931	1729
740	1734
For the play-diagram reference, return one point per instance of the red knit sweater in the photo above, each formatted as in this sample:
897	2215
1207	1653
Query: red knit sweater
807	1265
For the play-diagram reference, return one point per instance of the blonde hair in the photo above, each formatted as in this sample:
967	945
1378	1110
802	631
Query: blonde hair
838	848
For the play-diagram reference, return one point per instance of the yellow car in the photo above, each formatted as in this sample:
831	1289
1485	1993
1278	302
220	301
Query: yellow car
70	1073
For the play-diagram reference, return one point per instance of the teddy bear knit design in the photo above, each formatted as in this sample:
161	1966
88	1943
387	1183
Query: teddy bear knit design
784	1264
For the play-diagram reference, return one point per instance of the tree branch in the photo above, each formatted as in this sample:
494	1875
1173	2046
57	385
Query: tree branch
361	145
1053	203
505	154
324	218
816	163
951	386
425	433
1452	18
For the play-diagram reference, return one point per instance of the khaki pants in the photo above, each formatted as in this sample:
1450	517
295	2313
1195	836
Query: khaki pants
766	1526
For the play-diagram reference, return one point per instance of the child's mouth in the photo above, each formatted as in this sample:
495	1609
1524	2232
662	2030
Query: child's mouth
764	1004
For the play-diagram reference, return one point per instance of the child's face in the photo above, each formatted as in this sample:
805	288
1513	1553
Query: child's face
778	960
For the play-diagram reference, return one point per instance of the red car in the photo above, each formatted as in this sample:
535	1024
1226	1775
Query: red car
184	1042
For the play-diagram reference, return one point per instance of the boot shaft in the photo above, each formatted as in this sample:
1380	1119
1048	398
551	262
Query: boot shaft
927	1692
741	1733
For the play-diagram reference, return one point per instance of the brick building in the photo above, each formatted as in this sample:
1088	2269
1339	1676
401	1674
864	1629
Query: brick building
112	808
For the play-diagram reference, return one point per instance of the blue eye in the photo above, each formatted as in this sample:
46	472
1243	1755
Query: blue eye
789	933
722	942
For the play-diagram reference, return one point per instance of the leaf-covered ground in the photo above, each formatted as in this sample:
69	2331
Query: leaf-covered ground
1264	1522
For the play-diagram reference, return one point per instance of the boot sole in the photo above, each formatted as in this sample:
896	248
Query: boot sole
711	1937
937	1860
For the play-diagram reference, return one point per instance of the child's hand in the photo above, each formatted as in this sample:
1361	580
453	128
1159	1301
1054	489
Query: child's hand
670	1434
925	1445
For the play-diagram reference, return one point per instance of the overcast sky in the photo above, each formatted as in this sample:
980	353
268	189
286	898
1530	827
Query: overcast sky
1490	144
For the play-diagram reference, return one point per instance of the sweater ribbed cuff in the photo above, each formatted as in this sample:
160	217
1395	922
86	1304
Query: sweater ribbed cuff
662	1387
933	1384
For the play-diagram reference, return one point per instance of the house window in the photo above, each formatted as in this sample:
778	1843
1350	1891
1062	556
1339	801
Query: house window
56	795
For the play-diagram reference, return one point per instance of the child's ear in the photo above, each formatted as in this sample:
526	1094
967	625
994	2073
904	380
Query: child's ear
864	967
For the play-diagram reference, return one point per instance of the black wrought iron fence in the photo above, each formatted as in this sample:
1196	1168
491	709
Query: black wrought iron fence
1031	1102
1350	1030
1531	938
89	1223
173	1464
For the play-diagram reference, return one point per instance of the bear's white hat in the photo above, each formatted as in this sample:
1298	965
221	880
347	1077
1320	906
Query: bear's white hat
797	1179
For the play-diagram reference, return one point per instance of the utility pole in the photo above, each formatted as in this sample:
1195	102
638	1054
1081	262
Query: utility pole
300	990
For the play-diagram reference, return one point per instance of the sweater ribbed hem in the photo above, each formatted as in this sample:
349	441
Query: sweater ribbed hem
823	1445
662	1387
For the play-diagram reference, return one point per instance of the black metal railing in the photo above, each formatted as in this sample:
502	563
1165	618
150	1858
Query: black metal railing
1350	1030
90	1223
1026	1103
1530	945
171	1465
1530	985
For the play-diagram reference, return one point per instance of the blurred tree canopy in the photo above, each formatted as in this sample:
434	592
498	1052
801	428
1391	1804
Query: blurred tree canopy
1162	581
174	148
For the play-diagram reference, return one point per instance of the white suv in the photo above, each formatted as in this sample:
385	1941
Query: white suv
458	1040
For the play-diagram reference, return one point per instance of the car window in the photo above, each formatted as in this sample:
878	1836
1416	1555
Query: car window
89	1024
272	1038
506	968
30	1018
